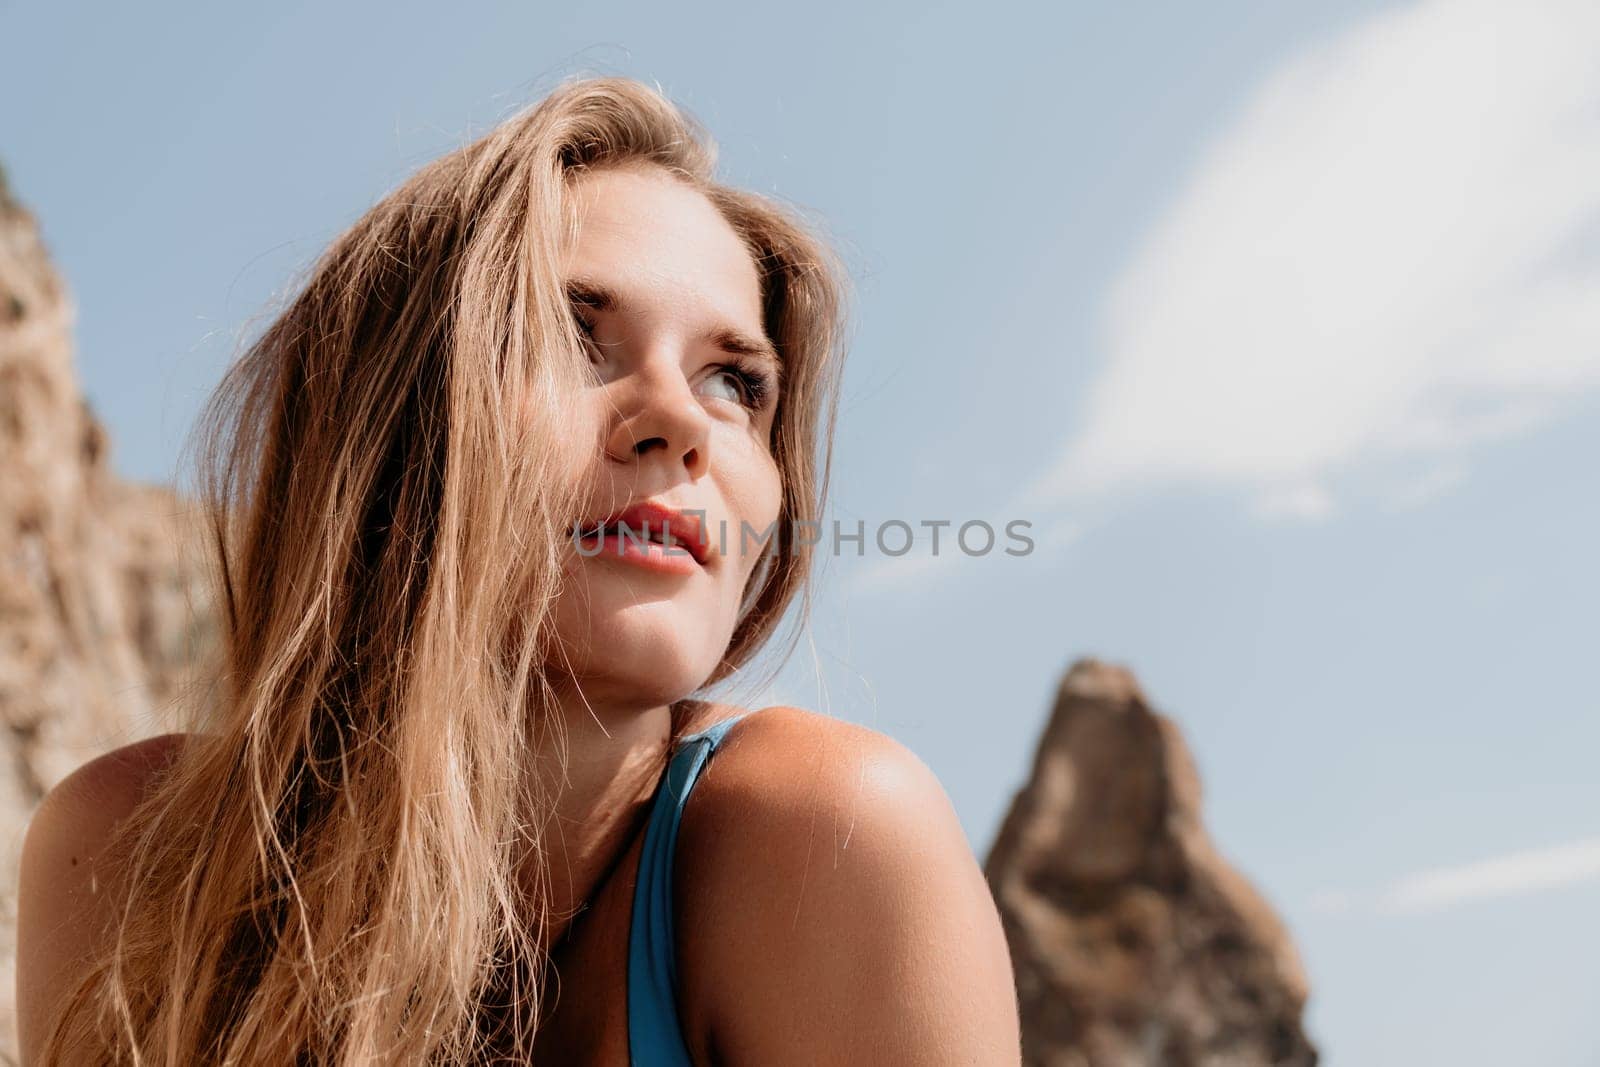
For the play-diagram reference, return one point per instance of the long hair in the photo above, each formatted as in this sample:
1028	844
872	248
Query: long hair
327	870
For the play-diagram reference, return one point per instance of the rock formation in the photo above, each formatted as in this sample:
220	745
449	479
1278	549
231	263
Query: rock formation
1135	944
102	603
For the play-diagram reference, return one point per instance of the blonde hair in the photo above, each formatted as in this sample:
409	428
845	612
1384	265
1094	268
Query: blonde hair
326	872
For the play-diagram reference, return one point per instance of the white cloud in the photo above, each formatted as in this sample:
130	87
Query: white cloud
1428	487
1308	502
897	572
1521	872
1332	901
1434	890
1392	255
1054	534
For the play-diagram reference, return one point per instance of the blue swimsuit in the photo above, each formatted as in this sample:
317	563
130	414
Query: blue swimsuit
654	1036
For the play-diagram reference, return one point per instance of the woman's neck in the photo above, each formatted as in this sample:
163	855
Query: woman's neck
615	758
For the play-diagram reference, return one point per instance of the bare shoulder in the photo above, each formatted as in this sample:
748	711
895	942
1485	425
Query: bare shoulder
763	756
786	769
824	875
64	890
75	817
117	777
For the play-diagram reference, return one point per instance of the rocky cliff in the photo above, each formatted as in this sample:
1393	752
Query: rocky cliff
1134	942
102	611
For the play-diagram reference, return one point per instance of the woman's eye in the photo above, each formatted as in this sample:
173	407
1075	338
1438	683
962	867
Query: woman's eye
731	383
586	329
751	385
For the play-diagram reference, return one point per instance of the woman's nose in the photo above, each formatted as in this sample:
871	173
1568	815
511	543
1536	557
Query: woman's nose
657	412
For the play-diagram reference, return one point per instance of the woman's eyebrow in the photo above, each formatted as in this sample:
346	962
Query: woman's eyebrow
592	294
601	297
739	343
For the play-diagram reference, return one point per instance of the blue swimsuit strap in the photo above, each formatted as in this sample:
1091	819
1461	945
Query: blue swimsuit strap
654	1035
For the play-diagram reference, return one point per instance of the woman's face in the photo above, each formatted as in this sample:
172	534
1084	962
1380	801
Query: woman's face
672	301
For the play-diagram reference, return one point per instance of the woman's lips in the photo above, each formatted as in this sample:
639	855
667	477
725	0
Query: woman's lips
627	535
631	547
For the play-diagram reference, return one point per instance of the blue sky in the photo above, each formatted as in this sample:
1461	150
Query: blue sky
1281	325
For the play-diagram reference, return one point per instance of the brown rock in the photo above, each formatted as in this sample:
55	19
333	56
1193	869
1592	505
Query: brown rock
1134	942
97	630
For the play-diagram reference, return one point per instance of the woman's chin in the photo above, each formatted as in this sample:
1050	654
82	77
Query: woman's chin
640	652
647	673
632	692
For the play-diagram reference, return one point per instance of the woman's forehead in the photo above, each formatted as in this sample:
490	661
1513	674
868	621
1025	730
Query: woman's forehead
648	238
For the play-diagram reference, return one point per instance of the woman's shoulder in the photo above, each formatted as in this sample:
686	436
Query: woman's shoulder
825	875
116	778
784	768
784	765
85	806
783	725
788	762
65	893
78	815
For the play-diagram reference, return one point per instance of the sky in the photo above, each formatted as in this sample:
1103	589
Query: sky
1278	323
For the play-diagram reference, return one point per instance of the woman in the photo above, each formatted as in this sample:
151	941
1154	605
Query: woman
436	810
